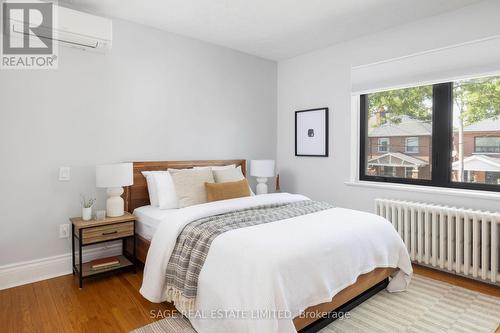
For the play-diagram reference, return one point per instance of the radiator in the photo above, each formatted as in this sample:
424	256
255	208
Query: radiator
457	240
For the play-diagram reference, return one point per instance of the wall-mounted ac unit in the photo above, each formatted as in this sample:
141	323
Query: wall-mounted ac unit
71	28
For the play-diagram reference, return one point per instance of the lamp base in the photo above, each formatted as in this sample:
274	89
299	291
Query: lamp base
261	186
115	206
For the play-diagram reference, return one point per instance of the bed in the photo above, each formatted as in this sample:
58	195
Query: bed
351	291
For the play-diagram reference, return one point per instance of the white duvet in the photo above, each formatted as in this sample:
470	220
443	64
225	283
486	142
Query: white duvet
276	269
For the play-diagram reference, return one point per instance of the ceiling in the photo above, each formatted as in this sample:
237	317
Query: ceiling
273	29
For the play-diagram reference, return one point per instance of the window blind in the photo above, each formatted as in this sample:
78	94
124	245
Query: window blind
472	59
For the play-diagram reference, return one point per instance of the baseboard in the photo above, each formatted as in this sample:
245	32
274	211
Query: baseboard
25	272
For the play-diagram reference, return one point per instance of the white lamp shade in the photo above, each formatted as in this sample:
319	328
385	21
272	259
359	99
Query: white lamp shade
114	175
262	168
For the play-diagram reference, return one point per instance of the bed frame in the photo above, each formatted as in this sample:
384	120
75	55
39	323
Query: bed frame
313	319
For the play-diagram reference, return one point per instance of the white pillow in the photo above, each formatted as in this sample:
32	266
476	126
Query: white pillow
161	189
153	193
215	167
229	175
167	197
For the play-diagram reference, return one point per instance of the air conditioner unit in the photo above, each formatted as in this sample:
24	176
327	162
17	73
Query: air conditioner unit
71	28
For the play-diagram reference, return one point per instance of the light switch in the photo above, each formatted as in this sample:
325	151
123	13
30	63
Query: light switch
64	174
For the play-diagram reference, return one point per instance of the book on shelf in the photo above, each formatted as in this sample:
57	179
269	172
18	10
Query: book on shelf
104	263
97	268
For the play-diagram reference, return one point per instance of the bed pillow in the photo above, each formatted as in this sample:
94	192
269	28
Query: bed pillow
167	196
227	190
161	189
230	175
153	193
190	186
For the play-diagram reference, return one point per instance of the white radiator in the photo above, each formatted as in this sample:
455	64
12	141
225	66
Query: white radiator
461	241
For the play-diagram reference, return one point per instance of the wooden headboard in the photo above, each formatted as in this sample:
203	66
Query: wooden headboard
137	194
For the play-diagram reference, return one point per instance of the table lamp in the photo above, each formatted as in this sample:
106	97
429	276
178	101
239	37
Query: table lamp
262	169
114	177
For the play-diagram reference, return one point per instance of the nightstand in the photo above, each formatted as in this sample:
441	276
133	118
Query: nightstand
100	231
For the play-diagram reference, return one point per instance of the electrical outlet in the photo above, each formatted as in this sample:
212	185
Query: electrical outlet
63	230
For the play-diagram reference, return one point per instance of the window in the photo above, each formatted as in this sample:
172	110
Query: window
487	144
493	178
409	172
446	134
388	171
411	145
476	131
402	115
383	145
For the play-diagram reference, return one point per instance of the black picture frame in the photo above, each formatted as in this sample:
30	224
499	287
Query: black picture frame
326	152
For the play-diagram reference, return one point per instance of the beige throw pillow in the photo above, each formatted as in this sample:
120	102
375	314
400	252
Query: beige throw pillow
230	175
190	186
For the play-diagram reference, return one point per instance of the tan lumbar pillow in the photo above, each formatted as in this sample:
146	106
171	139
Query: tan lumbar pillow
190	186
227	190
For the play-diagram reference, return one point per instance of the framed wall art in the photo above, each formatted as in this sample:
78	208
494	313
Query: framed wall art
311	132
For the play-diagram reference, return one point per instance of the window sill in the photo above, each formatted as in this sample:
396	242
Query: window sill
474	194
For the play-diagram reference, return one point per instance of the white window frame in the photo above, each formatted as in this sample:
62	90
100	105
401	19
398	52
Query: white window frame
379	145
483	153
406	145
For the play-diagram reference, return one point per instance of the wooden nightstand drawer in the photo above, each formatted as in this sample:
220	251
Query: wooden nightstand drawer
107	232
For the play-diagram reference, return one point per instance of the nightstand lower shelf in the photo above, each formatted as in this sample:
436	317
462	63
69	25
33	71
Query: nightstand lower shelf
88	271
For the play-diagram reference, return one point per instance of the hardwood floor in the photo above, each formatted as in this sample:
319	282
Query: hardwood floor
112	304
484	288
109	304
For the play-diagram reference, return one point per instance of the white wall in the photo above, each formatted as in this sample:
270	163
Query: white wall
155	96
323	78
